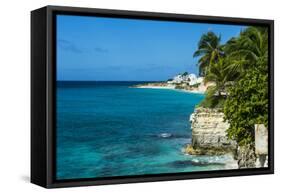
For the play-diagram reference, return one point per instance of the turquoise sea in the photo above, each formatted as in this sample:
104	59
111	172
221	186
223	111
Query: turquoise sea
107	129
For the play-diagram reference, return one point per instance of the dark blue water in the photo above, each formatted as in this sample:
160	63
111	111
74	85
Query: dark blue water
110	129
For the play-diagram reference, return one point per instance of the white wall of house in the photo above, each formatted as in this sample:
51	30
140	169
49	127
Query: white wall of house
191	79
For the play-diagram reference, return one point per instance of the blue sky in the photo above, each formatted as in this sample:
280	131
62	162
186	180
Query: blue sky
111	49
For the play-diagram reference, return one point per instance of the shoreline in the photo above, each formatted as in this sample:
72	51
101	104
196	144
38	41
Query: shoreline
223	154
163	87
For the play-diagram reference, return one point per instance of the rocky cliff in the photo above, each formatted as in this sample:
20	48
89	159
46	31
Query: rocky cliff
254	155
209	133
209	138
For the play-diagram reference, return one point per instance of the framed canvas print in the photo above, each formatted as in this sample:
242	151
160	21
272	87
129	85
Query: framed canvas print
126	96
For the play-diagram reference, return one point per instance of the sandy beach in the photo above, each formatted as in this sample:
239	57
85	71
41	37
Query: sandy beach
170	87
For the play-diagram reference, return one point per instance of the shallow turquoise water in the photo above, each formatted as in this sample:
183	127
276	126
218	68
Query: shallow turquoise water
109	129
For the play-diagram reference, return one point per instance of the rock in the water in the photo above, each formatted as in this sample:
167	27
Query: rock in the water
212	151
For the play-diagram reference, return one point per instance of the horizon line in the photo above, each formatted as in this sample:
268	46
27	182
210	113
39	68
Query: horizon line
114	80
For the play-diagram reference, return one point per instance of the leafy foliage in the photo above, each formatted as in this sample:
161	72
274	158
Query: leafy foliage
248	49
239	70
211	100
247	105
222	77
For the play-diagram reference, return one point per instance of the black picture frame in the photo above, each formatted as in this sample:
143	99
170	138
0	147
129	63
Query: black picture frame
43	90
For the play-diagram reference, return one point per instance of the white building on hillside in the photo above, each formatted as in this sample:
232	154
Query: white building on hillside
190	79
195	80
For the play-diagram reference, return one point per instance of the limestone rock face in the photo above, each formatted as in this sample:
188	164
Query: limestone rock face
246	156
256	155
261	139
209	137
209	129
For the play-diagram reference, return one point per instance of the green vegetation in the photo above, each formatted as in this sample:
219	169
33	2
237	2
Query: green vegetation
239	71
179	86
209	50
185	74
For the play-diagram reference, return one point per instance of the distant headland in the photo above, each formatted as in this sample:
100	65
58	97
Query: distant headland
182	81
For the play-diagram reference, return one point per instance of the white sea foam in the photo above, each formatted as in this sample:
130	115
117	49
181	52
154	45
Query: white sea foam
165	135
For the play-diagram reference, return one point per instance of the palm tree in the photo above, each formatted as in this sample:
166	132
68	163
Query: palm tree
248	49
220	74
209	50
222	77
226	64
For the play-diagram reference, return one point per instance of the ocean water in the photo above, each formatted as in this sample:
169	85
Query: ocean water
107	129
